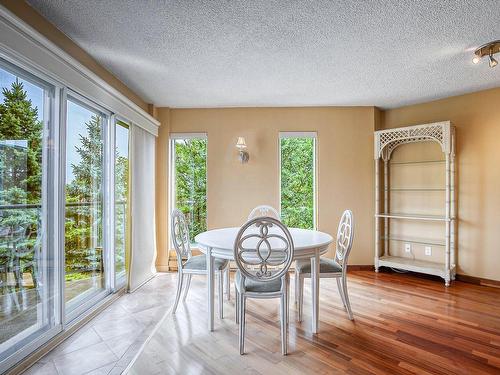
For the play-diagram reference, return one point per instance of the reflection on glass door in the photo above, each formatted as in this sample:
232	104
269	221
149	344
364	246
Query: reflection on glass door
26	306
84	255
121	200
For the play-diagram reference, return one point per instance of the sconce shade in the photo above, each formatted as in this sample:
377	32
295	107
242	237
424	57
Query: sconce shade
241	143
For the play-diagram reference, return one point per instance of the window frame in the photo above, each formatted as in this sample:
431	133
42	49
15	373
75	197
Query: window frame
86	301
302	134
171	165
24	345
116	283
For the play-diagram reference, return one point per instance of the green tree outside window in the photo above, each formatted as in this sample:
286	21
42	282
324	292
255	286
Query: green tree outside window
191	183
297	182
20	181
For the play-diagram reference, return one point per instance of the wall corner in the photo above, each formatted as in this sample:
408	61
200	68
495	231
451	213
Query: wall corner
161	190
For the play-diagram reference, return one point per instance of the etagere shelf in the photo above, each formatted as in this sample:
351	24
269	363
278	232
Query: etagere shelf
386	141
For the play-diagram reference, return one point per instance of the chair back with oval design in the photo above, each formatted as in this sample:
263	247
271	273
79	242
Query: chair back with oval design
264	211
180	236
345	235
263	249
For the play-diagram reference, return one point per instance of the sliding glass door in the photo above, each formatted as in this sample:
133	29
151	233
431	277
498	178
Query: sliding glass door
121	200
26	273
65	223
85	253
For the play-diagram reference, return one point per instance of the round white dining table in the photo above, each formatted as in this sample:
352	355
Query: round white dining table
308	244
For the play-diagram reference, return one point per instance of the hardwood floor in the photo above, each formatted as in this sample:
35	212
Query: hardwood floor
403	324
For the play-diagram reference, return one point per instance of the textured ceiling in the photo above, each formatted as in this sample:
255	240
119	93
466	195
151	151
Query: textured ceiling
285	53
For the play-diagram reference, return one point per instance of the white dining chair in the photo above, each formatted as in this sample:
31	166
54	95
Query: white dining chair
194	265
263	252
330	268
259	211
264	211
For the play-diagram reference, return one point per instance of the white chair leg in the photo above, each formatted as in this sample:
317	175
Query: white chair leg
287	300
237	305
346	296
228	282
341	291
186	288
221	294
283	323
296	284
301	297
242	309
287	312
180	280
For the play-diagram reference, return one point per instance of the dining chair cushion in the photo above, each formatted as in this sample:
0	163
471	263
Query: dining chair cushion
259	286
325	266
199	262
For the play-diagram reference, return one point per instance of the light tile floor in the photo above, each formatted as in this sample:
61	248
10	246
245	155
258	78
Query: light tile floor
109	342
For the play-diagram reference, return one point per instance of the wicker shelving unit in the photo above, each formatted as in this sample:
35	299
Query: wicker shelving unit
386	141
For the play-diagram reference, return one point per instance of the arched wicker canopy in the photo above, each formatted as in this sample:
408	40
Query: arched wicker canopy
386	141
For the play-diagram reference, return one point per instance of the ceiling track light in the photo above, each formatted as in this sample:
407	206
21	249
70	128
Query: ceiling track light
492	61
488	49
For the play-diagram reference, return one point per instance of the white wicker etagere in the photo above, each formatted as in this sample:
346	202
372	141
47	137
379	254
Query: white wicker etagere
386	141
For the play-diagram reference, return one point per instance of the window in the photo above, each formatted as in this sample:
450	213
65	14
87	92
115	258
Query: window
26	275
84	233
121	199
189	179
297	179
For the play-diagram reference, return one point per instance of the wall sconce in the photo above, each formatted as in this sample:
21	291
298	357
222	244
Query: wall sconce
241	146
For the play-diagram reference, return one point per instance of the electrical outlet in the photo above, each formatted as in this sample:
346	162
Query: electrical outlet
407	247
428	250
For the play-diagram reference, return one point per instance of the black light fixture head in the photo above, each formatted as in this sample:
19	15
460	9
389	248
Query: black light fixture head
488	49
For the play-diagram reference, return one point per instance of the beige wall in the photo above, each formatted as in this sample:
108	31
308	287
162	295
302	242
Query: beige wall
345	167
477	119
22	10
345	163
162	159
